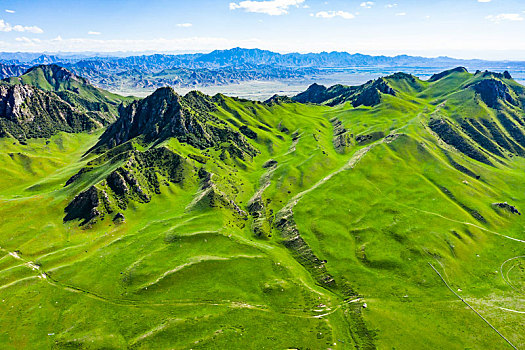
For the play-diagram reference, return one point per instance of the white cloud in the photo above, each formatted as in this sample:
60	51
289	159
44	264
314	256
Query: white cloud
9	11
367	4
484	0
132	45
389	6
505	17
94	33
332	14
401	14
271	7
6	27
24	39
184	25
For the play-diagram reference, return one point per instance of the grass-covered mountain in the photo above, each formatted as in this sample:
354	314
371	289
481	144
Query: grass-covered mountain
344	217
29	112
73	89
49	99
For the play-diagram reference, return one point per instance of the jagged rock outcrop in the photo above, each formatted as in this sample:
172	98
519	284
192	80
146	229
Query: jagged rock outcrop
365	139
368	94
269	163
262	216
285	223
493	91
75	90
165	114
28	112
84	206
119	218
278	99
507	207
138	179
342	138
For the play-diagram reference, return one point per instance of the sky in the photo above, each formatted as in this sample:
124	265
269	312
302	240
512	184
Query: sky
486	29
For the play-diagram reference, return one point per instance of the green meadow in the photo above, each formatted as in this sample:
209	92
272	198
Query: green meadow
303	246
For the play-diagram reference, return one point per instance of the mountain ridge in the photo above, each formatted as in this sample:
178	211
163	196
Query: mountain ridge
233	66
231	223
49	98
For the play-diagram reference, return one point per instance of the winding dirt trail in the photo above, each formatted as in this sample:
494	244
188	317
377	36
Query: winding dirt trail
352	162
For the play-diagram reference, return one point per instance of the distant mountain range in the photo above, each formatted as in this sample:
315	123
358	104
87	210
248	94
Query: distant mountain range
222	67
239	58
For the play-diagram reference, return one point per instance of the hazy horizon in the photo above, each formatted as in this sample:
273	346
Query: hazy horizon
183	52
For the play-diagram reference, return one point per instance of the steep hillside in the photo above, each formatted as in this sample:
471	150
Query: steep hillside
73	89
165	114
28	112
48	99
386	215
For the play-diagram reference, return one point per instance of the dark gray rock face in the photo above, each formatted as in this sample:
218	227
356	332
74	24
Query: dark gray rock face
119	218
84	206
314	94
492	91
507	207
117	183
270	163
28	112
165	114
140	177
368	138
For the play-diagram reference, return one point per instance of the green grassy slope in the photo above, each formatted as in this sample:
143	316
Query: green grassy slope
323	238
73	89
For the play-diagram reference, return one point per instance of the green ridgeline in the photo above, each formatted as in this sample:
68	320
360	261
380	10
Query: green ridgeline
73	89
214	222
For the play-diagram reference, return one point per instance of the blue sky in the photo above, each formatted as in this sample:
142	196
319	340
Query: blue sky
491	29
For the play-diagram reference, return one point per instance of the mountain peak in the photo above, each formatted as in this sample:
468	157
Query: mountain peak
29	112
54	71
368	94
73	89
165	114
441	75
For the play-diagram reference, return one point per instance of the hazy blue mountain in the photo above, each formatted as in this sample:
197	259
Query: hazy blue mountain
233	66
